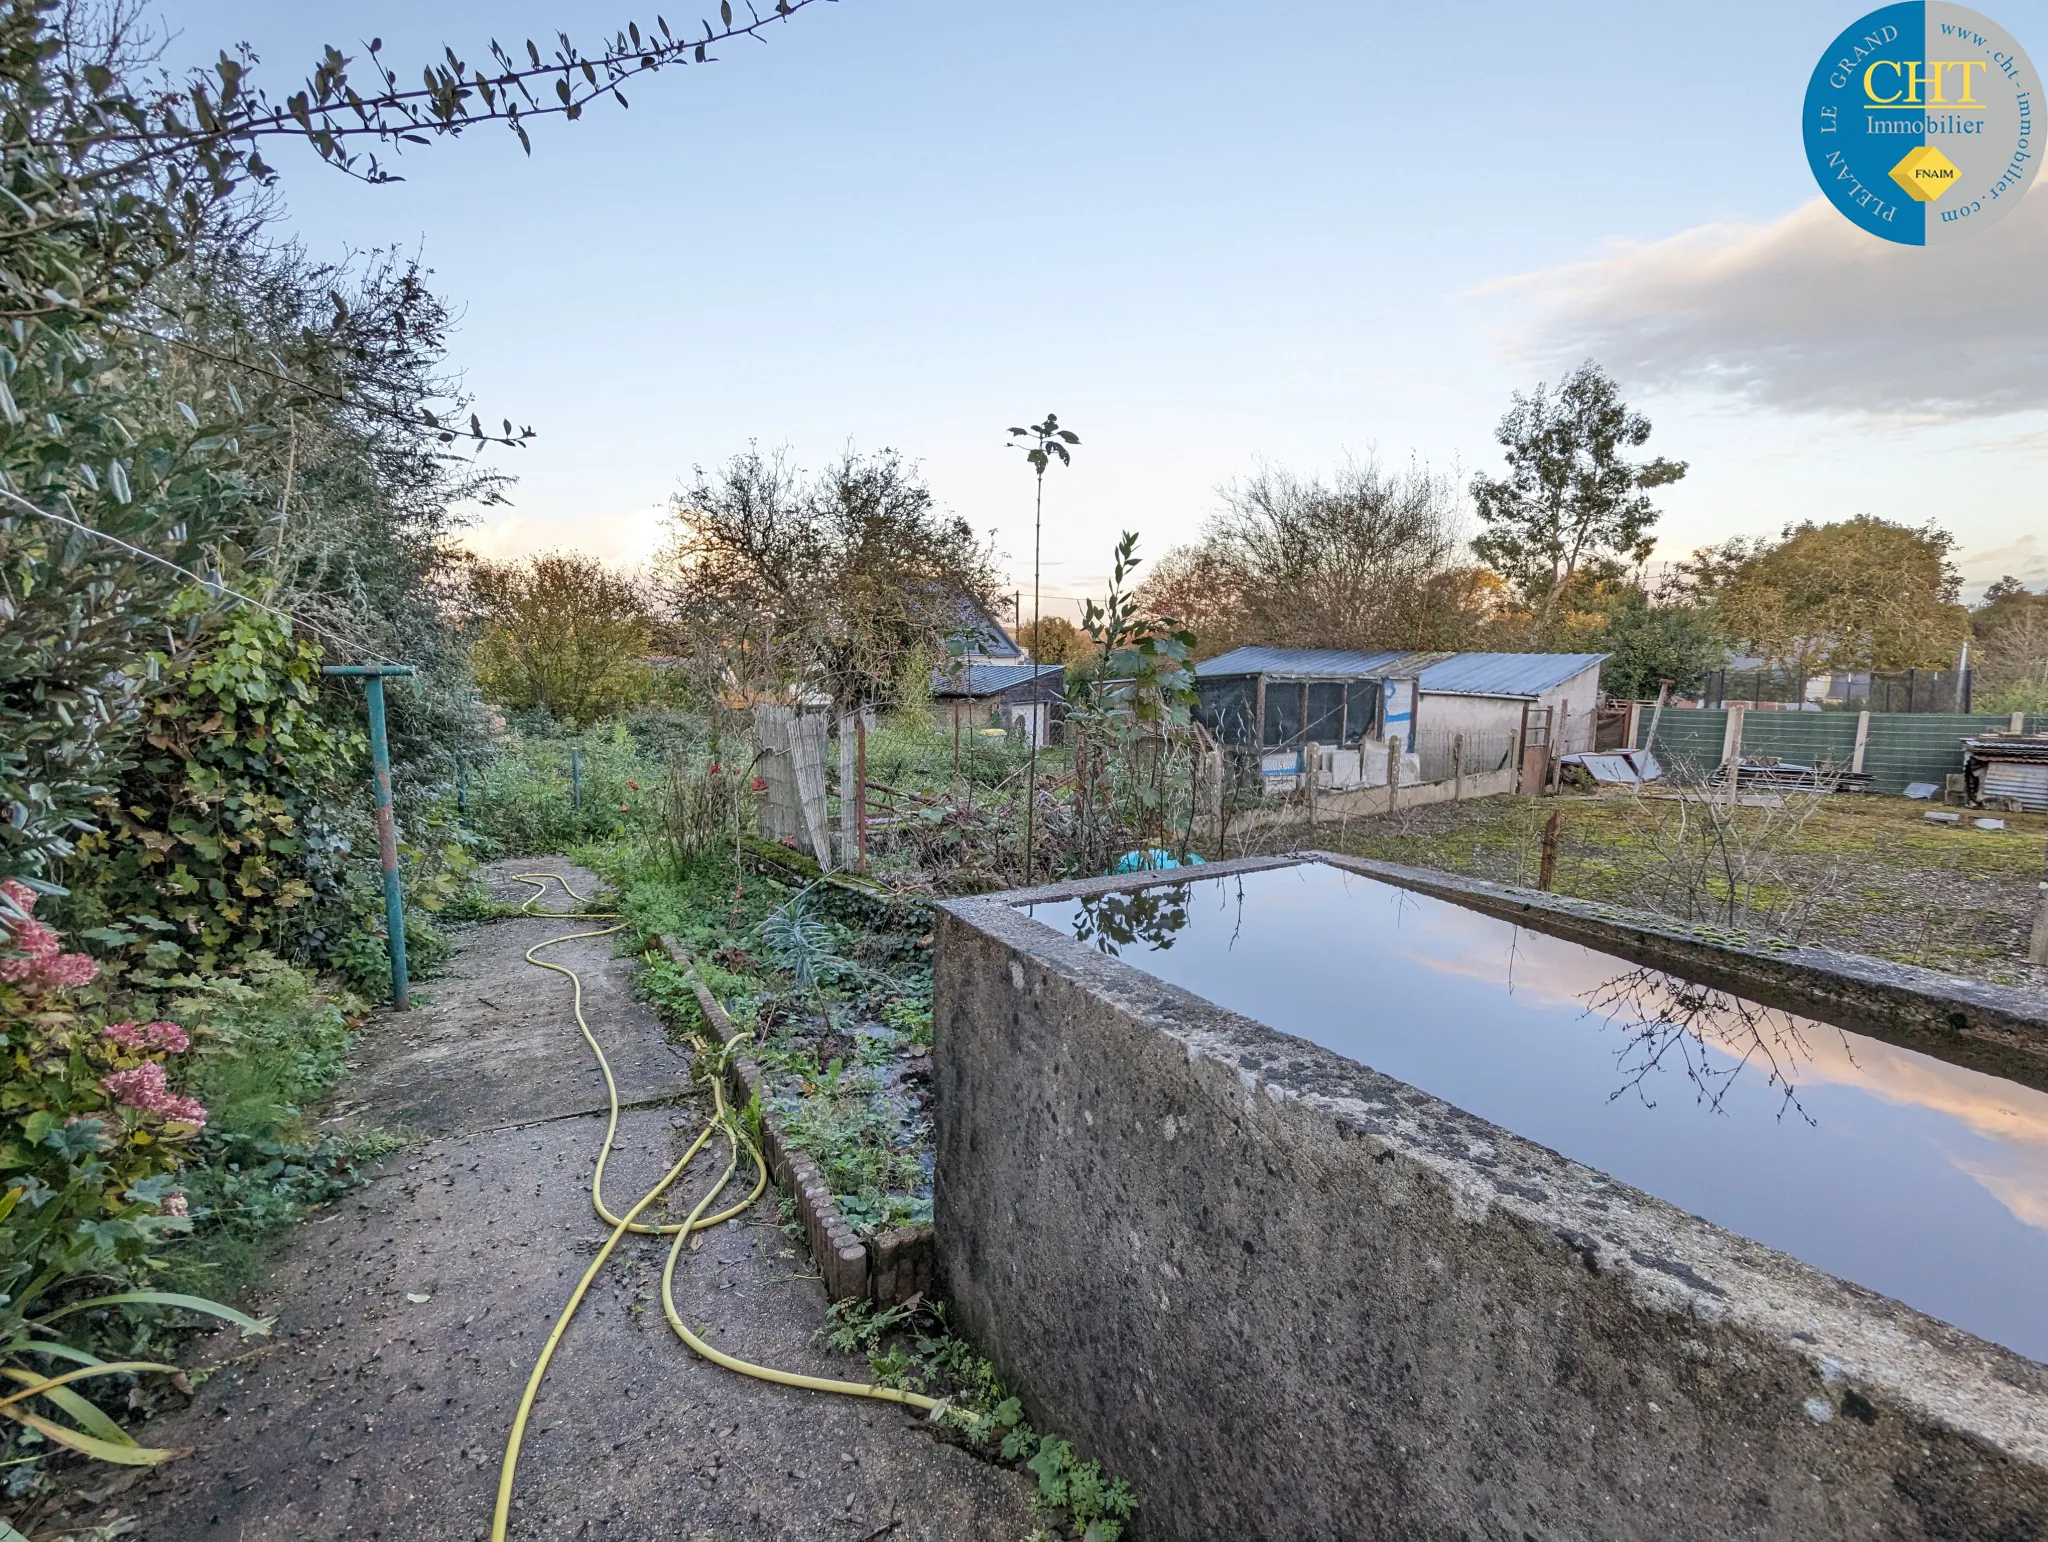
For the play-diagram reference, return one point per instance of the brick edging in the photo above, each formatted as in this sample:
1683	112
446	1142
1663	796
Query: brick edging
887	1269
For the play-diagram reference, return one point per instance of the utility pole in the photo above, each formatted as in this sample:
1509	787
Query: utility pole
373	677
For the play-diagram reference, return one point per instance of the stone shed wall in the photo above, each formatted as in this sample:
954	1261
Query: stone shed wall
1291	1298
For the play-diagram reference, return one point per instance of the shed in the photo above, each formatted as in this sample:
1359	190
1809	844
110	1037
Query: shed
1486	694
1282	698
2008	771
1026	697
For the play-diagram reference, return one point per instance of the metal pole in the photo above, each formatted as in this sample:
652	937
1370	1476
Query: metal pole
387	821
387	840
461	787
860	778
575	777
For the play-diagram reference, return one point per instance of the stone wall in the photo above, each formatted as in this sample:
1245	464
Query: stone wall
1289	1297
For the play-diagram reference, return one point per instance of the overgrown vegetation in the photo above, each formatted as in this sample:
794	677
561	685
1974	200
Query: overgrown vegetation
912	1347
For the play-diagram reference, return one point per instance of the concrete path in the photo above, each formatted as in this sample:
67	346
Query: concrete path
376	1414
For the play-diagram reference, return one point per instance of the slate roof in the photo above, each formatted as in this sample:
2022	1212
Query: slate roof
980	679
1448	674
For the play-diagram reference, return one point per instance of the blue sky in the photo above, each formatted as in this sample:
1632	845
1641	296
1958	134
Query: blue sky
1203	234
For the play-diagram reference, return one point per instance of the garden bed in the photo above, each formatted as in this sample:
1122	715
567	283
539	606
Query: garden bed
829	991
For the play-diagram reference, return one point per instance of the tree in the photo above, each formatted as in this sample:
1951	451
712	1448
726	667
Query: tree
777	581
1860	593
560	633
1054	640
2010	626
1042	444
133	422
1369	559
1648	642
1571	498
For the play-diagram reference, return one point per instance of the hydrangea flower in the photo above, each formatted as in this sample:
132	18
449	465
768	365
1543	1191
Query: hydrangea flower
143	1087
168	1037
40	963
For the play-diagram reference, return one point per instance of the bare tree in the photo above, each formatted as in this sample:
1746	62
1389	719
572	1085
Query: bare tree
1370	558
829	582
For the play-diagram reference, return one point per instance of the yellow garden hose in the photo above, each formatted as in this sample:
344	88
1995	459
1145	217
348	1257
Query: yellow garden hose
721	1122
611	1086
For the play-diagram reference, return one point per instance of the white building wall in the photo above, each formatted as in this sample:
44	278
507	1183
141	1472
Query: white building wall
1470	715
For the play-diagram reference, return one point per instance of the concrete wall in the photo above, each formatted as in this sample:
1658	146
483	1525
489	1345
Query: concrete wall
1291	1298
1355	802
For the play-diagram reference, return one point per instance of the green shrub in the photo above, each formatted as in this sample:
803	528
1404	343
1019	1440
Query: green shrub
524	801
220	839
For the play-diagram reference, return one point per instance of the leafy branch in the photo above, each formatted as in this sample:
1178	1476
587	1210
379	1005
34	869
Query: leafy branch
220	114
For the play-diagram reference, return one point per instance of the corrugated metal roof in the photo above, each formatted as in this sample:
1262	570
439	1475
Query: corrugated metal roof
979	679
1454	674
1298	661
1505	674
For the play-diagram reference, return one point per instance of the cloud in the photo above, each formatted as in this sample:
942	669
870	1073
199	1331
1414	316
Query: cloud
1805	314
2025	559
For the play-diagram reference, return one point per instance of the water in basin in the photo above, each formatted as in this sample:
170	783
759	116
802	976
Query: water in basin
1924	1180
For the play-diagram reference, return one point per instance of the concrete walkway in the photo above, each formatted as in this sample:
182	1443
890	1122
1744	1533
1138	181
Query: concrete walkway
409	1314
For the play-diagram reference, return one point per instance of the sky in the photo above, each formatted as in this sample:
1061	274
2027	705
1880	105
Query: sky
1206	236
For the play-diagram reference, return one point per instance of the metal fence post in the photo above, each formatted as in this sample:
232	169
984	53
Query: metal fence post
373	676
575	777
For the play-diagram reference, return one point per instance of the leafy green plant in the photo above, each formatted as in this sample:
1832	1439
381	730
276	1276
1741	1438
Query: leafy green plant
979	1409
798	942
202	853
93	1144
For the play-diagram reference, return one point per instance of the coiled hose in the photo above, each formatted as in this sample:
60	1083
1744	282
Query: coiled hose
721	1122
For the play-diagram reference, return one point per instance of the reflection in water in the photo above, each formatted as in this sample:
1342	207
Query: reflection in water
1113	922
1921	1179
1714	1036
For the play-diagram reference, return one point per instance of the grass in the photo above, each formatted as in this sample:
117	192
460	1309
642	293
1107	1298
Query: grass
1865	874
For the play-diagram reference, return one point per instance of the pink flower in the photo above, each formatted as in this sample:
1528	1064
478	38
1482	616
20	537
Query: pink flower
39	963
168	1037
143	1088
759	785
23	896
624	810
174	1204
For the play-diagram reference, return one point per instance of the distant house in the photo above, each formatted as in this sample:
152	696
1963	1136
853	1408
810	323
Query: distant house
1276	700
1023	697
995	684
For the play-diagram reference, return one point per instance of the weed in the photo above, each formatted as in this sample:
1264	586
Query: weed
979	1410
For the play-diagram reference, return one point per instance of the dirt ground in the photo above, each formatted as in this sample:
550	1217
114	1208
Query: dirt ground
409	1313
1864	873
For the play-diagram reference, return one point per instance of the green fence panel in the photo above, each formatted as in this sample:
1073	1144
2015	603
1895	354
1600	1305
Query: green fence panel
1689	738
1920	746
1903	747
1803	738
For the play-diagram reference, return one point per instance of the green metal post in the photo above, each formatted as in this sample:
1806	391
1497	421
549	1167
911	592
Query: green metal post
387	840
461	787
387	822
575	777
